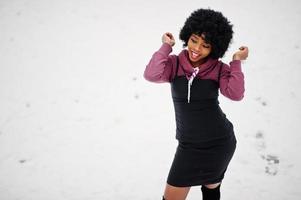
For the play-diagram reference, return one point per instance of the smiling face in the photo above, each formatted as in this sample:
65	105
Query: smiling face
198	49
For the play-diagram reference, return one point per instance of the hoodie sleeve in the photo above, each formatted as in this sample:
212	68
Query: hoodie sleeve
159	68
232	81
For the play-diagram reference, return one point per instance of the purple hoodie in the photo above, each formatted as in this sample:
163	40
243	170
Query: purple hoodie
162	68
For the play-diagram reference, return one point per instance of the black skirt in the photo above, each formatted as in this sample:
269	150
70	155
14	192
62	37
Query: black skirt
199	164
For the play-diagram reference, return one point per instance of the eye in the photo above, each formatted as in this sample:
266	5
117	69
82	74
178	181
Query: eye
205	46
194	41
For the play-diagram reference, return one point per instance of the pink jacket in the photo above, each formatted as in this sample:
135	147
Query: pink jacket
162	68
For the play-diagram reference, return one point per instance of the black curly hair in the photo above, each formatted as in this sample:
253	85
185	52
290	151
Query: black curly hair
213	25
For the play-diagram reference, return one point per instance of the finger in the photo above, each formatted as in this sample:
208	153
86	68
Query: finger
243	48
170	35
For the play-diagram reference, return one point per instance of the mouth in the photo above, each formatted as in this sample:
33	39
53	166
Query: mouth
194	55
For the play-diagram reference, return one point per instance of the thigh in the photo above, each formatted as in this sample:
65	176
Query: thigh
175	193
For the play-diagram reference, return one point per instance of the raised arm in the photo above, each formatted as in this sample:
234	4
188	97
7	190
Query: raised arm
232	83
159	68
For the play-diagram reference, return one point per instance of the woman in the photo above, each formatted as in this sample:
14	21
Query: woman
206	139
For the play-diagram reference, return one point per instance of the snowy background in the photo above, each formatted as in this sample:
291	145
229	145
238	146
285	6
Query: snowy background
79	121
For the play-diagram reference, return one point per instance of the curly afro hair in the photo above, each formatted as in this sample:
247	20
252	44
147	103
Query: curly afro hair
213	25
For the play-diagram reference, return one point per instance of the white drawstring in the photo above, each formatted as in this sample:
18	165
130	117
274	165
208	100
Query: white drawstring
195	72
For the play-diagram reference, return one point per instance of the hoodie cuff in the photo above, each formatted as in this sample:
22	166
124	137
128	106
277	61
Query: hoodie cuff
235	65
165	49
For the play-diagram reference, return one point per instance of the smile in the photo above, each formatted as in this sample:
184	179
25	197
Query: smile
194	54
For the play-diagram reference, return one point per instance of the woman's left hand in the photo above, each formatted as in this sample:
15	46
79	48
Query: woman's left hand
242	54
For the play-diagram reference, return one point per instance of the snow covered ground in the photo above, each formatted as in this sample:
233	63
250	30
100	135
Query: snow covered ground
78	120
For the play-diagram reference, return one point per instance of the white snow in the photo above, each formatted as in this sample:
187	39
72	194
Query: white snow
79	121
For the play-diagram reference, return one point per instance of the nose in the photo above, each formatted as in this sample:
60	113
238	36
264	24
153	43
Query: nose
197	47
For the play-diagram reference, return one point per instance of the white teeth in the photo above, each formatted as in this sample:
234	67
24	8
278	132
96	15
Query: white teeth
194	55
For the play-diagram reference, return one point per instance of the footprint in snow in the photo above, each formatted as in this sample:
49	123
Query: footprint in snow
260	100
272	161
272	164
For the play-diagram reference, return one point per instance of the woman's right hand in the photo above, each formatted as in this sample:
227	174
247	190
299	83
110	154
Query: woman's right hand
168	38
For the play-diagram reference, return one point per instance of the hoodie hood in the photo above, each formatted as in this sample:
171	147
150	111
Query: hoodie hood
203	68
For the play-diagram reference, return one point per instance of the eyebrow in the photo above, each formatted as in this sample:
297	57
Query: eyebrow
195	36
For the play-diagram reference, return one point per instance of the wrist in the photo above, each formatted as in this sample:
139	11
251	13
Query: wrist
168	44
235	57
